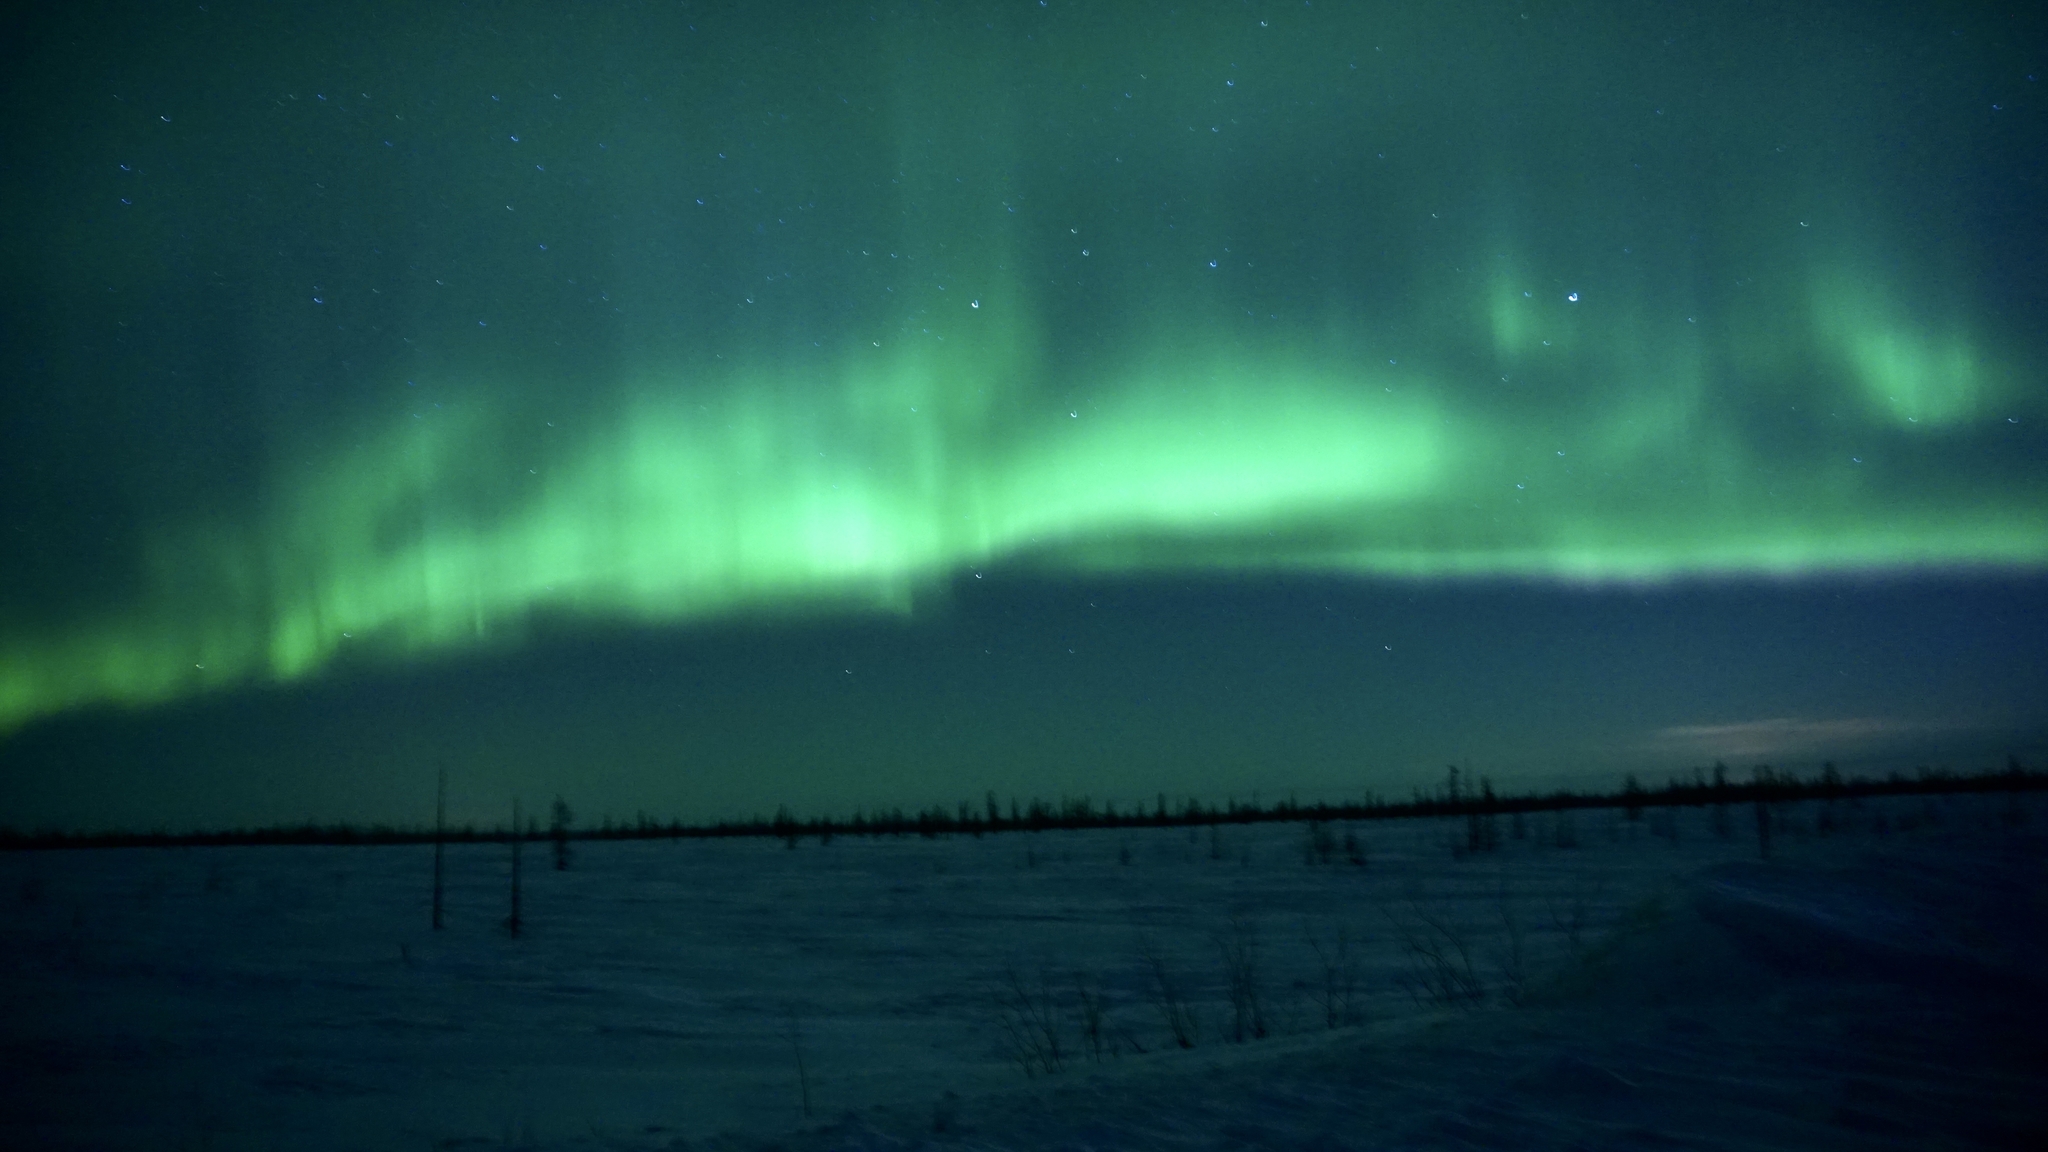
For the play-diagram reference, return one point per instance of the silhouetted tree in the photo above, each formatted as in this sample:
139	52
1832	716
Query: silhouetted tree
440	833
512	922
559	820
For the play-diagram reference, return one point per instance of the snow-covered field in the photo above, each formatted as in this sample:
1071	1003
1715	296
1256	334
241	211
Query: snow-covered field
1880	985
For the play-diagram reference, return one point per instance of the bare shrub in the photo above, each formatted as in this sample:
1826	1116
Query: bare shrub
1318	843
1338	994
1088	1006
796	1046
1167	995
1482	834
1240	948
1440	968
1029	1016
1511	957
1573	916
1354	849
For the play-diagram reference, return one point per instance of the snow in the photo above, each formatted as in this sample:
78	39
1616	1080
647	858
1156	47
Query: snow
1859	989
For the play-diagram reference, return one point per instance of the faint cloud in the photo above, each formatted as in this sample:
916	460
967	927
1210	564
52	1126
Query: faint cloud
1785	735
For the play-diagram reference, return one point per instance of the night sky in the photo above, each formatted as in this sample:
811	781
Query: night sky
696	408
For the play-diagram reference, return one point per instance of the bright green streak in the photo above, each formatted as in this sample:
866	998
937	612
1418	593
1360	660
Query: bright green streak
674	511
1809	407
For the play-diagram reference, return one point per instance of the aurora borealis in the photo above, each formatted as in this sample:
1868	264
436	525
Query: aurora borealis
370	337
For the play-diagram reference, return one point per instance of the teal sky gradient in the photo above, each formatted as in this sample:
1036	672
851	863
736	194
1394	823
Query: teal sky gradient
357	337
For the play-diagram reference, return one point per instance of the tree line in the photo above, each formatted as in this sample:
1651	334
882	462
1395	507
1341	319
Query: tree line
1456	797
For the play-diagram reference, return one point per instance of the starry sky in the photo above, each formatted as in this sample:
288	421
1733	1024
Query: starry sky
696	408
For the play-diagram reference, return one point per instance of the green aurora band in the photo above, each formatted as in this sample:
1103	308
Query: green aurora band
1344	295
